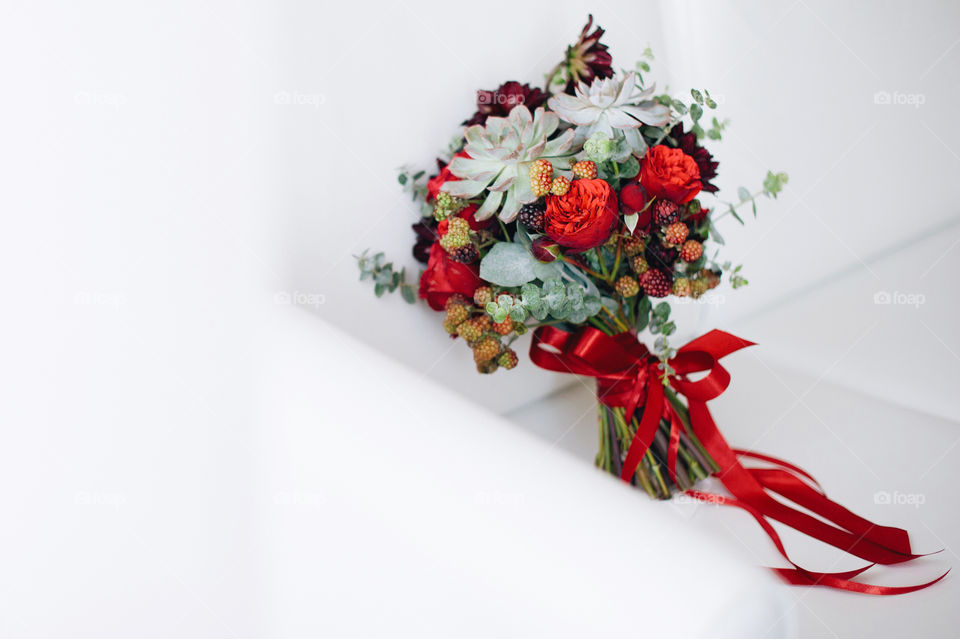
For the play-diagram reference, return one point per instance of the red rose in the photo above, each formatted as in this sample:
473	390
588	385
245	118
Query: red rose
583	218
444	277
434	183
671	174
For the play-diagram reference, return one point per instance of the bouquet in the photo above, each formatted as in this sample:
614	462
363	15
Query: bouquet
580	212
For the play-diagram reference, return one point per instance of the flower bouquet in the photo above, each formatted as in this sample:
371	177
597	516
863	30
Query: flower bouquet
579	212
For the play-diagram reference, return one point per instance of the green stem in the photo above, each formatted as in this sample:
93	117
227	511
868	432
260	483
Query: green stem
603	266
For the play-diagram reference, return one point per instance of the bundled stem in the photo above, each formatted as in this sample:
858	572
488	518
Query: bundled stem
615	436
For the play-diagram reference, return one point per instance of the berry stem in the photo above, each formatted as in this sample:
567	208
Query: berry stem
582	267
616	321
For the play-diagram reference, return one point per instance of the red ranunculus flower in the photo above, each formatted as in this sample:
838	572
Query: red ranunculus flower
583	218
671	174
444	277
434	183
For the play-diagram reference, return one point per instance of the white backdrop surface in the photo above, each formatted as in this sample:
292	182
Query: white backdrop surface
175	173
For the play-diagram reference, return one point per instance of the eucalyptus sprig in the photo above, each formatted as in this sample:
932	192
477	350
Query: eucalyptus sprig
385	278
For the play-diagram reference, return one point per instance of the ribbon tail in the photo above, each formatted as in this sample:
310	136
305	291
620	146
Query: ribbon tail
799	576
745	487
646	431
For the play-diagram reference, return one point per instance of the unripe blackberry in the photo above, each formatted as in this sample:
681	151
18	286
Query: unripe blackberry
508	359
631	245
470	330
698	287
681	287
486	349
451	327
627	286
560	185
639	265
455	299
457	313
503	328
585	170
457	235
541	177
483	296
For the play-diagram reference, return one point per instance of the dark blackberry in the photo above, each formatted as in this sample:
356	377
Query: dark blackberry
466	254
665	212
531	216
660	256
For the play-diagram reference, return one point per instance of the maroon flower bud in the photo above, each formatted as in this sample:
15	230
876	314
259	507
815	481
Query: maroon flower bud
545	250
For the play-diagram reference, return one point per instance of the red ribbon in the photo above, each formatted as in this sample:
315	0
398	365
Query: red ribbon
628	376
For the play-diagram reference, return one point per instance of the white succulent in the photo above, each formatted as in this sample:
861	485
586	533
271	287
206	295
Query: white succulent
615	107
501	153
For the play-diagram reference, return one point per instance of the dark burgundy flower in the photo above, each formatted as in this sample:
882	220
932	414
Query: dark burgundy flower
687	142
587	59
501	101
426	236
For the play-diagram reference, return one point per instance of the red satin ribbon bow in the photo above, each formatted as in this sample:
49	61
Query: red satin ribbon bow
628	376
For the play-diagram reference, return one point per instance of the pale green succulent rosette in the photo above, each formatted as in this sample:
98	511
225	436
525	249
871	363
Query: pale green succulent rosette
500	156
615	108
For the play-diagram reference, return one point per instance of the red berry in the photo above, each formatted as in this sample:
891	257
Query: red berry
676	233
656	283
691	251
632	198
665	212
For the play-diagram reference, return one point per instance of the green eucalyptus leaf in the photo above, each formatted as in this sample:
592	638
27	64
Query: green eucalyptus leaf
555	293
591	303
662	311
408	295
507	264
629	168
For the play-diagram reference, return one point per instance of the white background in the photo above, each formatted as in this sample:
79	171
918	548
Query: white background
173	172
